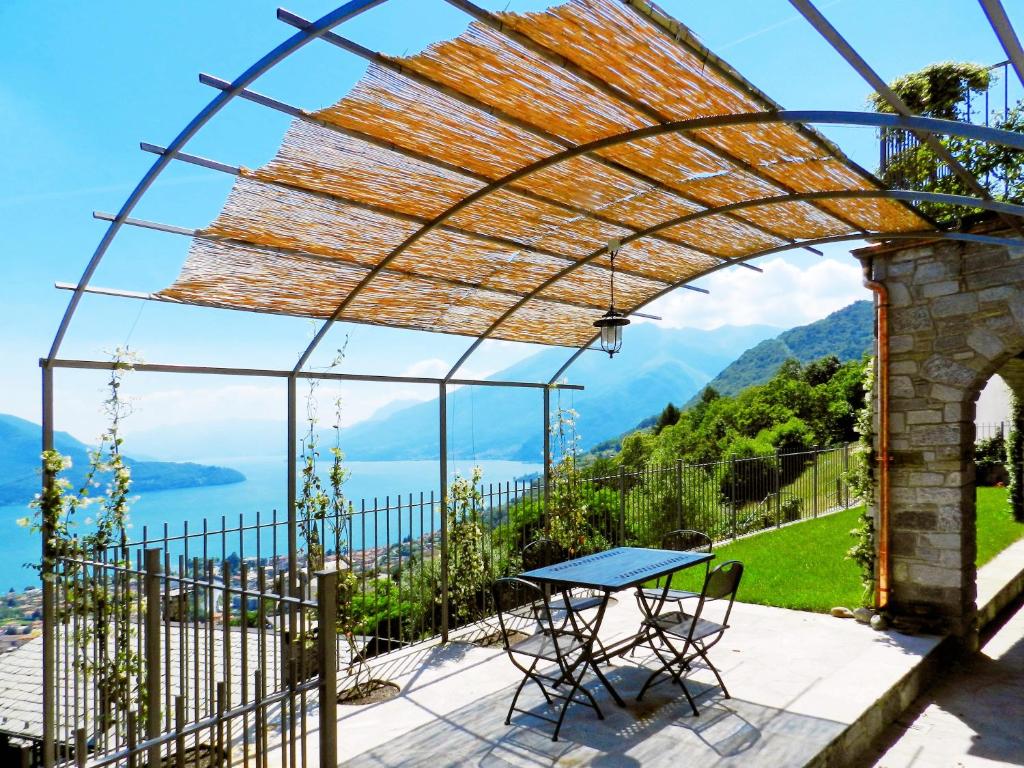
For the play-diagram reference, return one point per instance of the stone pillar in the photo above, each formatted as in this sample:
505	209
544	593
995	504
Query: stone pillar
956	316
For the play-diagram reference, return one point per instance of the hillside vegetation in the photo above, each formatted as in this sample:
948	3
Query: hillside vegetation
801	406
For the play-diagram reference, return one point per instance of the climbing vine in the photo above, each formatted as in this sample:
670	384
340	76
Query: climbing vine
1015	457
861	479
103	637
467	572
567	508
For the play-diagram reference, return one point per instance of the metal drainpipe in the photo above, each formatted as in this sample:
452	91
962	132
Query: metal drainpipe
882	325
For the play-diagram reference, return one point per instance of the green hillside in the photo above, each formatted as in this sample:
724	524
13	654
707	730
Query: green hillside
848	334
19	465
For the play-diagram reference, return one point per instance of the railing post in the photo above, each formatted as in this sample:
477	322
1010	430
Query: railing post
622	506
327	653
778	488
443	438
152	660
679	493
846	475
732	494
814	474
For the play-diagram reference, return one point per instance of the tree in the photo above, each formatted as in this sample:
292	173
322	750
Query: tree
941	90
669	416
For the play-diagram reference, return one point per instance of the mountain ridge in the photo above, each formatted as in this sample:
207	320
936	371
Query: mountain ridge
19	464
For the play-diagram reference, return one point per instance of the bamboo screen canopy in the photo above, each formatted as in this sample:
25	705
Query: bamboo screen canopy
418	134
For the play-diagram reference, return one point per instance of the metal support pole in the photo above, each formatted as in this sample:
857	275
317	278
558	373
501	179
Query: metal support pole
547	446
442	397
293	534
846	476
327	652
49	612
152	660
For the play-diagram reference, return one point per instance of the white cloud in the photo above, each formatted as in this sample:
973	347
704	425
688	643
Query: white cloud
785	295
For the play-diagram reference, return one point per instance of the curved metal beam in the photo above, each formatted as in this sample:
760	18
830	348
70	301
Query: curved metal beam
961	236
278	54
1003	27
831	117
892	194
841	46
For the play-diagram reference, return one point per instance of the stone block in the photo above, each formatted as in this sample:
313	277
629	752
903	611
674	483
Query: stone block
901	386
930	416
915	520
985	343
990	278
903	367
997	293
929	435
901	343
934	576
909	319
945	394
894	267
934	290
944	541
939	495
926	479
930	272
941	369
954	306
899	295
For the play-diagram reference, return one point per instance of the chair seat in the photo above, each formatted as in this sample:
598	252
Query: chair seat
653	595
575	603
542	645
678	623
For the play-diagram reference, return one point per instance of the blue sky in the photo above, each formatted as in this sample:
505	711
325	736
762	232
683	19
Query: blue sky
82	83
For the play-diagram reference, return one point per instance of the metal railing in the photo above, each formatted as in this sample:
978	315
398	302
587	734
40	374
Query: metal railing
221	658
182	661
980	109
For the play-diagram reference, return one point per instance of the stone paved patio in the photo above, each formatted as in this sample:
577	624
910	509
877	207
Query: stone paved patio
798	682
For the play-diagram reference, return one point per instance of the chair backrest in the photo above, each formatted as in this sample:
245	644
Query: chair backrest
686	540
518	600
541	553
720	584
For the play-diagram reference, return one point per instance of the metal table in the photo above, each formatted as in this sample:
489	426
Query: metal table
612	571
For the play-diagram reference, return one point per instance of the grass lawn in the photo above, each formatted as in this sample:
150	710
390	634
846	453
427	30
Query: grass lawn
803	566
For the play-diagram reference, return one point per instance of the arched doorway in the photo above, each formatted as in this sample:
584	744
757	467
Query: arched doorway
956	317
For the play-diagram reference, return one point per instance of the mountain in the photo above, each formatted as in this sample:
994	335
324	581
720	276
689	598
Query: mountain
848	334
656	365
19	464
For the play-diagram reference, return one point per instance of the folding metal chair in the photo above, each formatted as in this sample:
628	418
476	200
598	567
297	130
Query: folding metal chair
682	540
520	602
685	637
545	552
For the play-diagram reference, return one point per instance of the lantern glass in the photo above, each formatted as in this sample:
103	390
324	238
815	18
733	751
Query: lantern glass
611	338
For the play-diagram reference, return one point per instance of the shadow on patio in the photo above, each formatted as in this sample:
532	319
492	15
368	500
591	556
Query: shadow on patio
798	682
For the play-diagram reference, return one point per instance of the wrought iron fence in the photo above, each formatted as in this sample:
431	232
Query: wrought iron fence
982	109
989	431
223	655
184	661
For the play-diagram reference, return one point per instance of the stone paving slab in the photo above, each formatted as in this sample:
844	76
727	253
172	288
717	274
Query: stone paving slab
798	681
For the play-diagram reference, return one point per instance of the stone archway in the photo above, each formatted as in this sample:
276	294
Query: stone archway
956	318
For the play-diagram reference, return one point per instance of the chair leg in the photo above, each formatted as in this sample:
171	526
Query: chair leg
714	669
565	708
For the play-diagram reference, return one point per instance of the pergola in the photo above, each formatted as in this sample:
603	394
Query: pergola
473	188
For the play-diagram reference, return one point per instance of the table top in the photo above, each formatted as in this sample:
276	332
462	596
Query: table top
617	568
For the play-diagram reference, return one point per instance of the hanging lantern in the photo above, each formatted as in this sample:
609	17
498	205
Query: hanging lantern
612	322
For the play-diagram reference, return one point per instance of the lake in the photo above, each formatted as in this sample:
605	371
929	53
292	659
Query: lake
264	490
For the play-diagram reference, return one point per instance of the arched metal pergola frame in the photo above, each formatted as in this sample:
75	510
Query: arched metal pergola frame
925	128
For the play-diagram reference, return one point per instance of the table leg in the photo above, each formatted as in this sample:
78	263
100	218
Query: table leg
588	649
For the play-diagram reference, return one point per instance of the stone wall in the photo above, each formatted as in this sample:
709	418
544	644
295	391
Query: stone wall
956	318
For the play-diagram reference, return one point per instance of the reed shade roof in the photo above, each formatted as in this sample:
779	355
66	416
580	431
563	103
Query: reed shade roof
352	181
